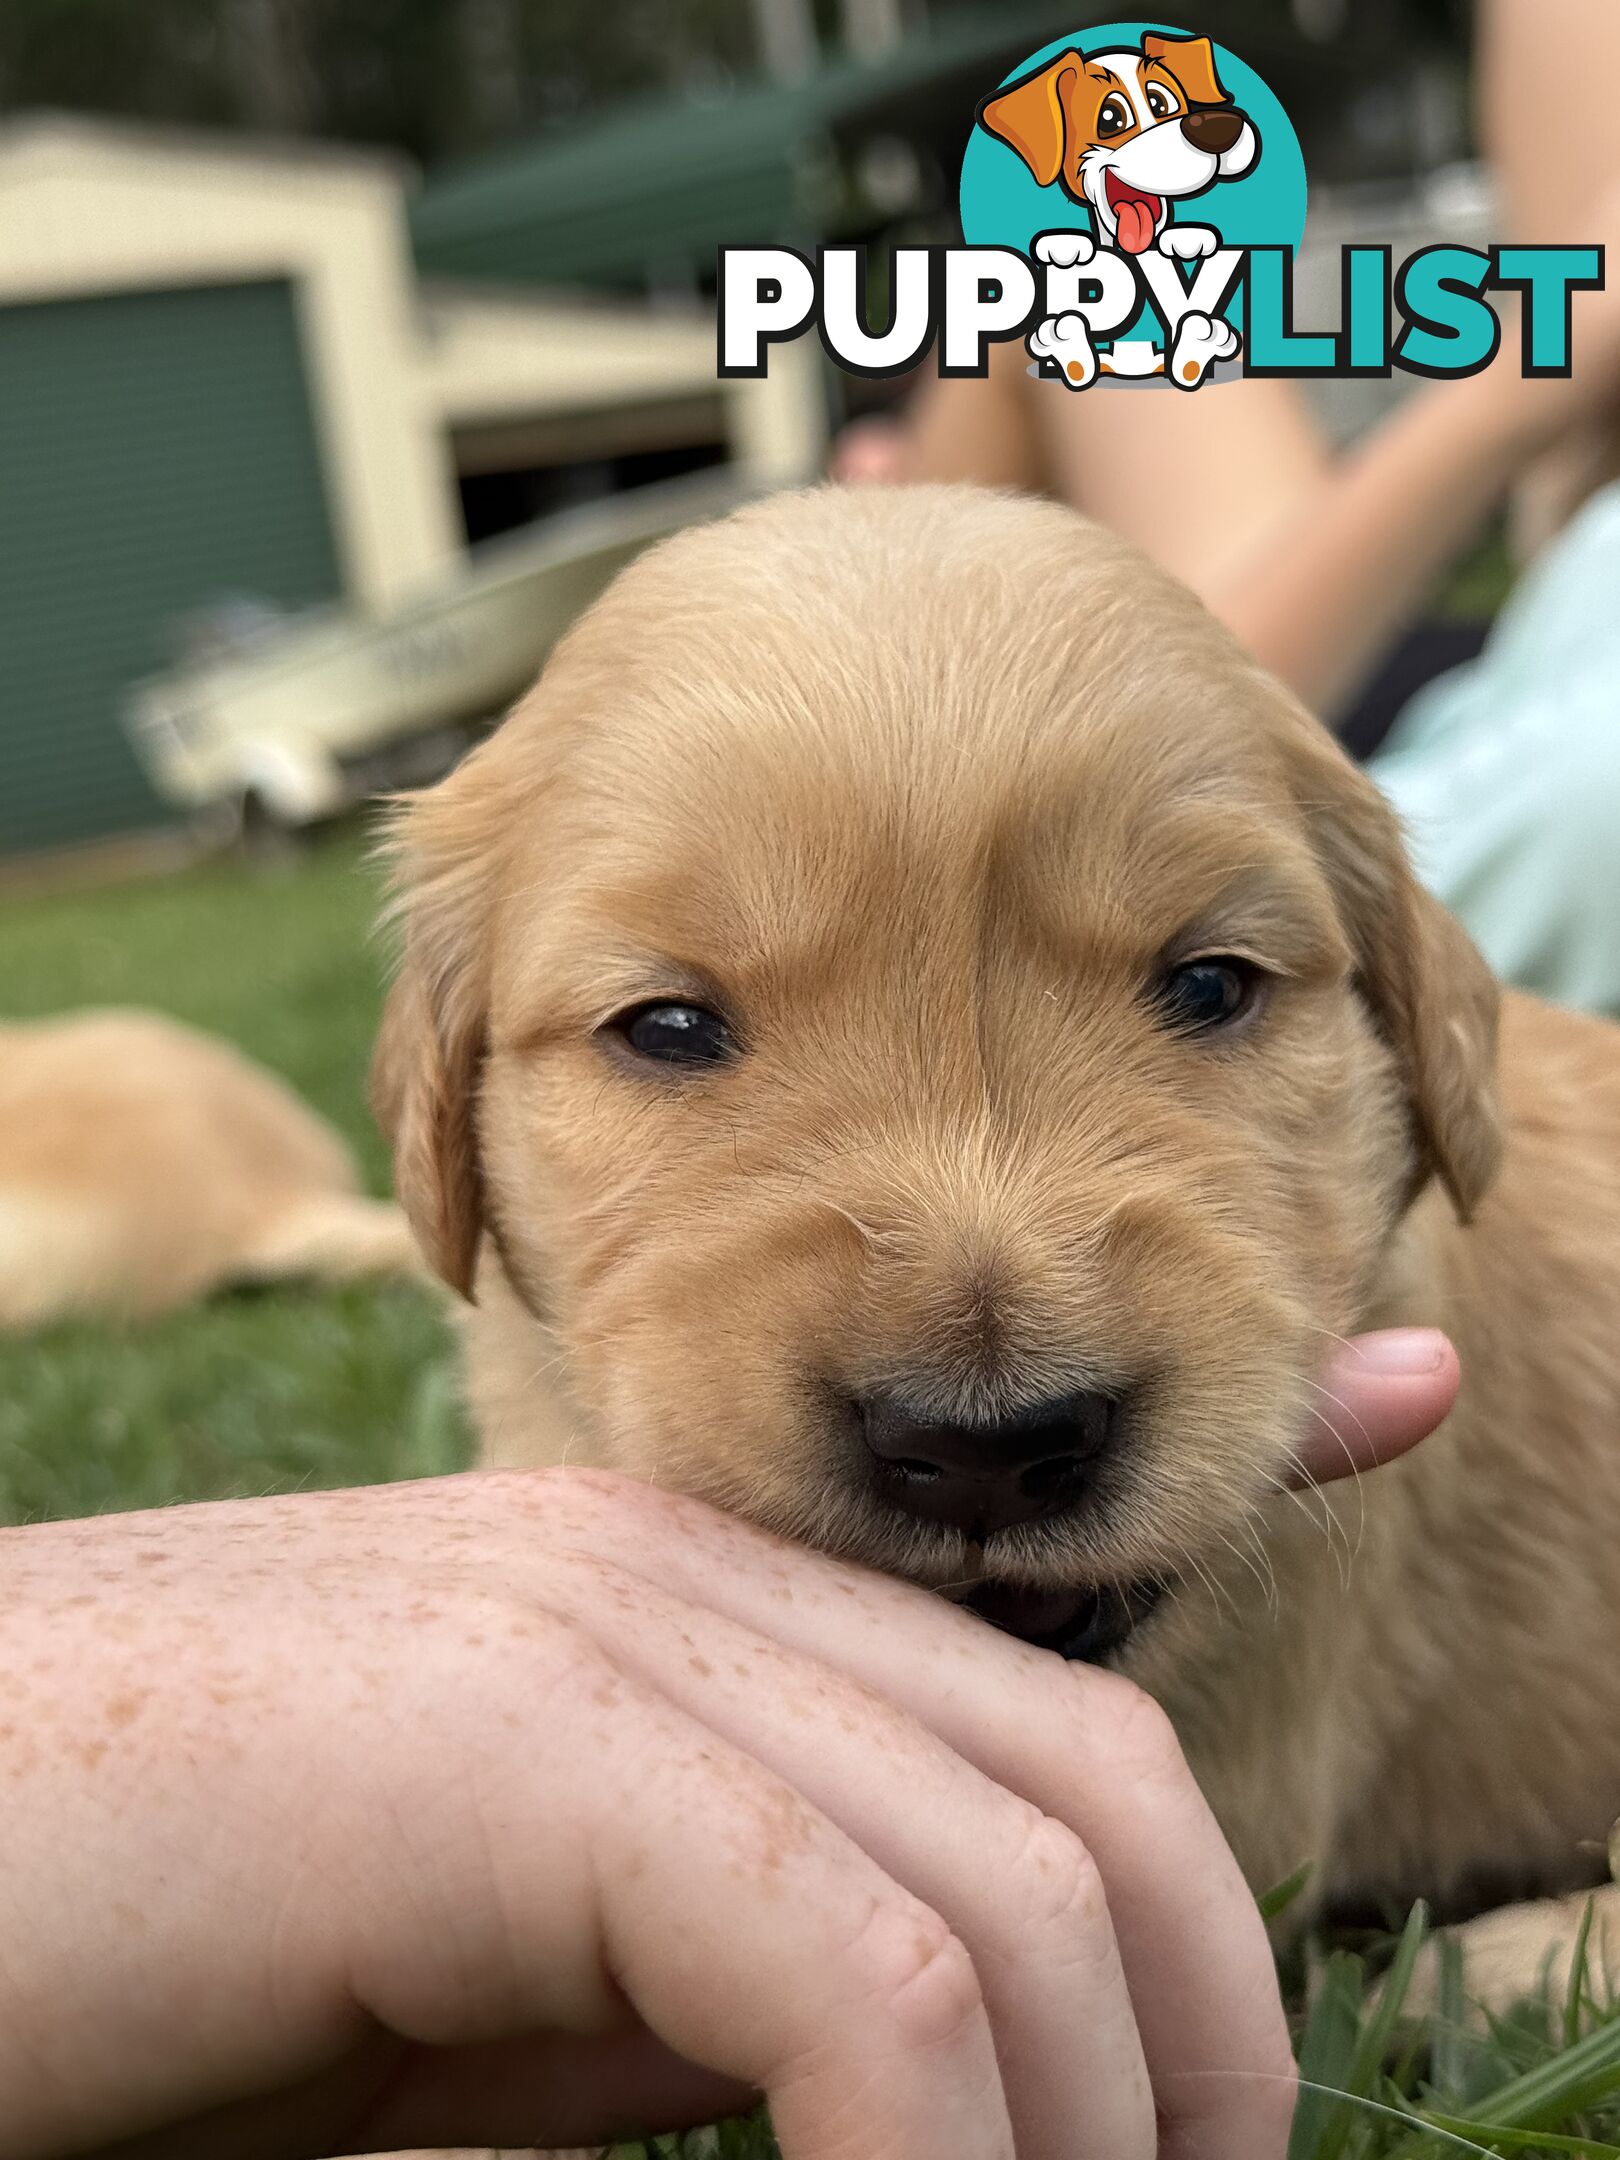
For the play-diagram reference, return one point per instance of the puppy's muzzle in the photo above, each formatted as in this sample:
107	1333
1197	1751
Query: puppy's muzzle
1215	129
981	1478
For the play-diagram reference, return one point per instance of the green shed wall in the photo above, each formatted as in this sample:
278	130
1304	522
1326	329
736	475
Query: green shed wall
157	455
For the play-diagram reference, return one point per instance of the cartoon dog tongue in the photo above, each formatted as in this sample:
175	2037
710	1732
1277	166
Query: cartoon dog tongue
1135	215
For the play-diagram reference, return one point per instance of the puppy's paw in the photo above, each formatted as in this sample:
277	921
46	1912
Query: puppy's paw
1064	250
1065	340
1188	243
1200	341
1519	1952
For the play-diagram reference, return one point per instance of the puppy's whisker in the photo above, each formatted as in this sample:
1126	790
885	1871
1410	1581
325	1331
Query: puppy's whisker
1188	1558
1261	1571
1339	1403
1318	1509
1267	1590
1327	1522
1354	1471
1331	1335
963	1586
1262	1556
1355	1468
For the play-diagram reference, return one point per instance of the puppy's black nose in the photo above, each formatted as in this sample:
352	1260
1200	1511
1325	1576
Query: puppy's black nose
1214	129
982	1478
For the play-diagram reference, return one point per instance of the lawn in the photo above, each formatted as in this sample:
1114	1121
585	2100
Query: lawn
290	1387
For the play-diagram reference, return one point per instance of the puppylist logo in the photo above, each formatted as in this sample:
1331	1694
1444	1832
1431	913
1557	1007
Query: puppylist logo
1131	204
1175	177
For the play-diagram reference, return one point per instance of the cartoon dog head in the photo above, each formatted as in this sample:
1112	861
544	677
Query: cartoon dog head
1127	133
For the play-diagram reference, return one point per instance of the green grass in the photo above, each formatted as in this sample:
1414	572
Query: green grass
259	1392
1379	2086
297	1387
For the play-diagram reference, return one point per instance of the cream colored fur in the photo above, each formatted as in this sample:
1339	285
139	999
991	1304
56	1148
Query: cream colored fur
143	1164
922	786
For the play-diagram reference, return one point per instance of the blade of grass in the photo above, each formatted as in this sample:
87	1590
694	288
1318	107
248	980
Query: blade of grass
1387	2111
1326	2050
1567	2084
1580	2077
1373	2042
1575	1993
1455	2053
1281	1895
1524	2141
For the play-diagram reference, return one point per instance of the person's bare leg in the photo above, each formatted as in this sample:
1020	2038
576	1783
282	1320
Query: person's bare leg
1194	481
961	428
1315	561
1560	56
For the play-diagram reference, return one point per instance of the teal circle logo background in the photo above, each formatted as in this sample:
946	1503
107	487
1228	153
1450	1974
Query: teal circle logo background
1003	207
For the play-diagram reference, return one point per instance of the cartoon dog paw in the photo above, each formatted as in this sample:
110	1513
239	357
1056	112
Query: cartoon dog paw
1189	243
1064	250
1065	340
1201	340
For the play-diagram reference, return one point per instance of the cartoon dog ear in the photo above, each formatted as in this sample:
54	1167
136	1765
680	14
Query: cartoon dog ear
1191	60
428	1062
1032	115
1434	999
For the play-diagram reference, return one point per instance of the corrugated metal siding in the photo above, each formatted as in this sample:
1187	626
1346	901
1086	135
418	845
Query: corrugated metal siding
157	456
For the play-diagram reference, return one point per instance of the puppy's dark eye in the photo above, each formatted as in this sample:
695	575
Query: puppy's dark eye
1160	102
1114	117
1203	995
676	1034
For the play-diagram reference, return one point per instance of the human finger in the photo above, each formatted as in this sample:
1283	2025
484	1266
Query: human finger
1083	1745
1018	1887
742	1928
1378	1397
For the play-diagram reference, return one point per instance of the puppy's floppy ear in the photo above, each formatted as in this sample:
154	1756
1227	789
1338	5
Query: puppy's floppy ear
1434	998
424	1091
1191	60
1032	115
428	1061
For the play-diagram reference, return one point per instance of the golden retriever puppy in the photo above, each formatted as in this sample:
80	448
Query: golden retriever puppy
909	1034
143	1164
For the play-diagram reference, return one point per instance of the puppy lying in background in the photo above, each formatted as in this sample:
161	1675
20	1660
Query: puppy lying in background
143	1164
909	1034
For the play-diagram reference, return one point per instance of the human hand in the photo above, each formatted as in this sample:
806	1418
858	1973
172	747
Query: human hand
488	1810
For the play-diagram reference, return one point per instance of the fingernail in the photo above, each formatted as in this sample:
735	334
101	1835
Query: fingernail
1404	1353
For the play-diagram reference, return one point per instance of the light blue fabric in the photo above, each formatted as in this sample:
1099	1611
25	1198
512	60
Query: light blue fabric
1506	774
